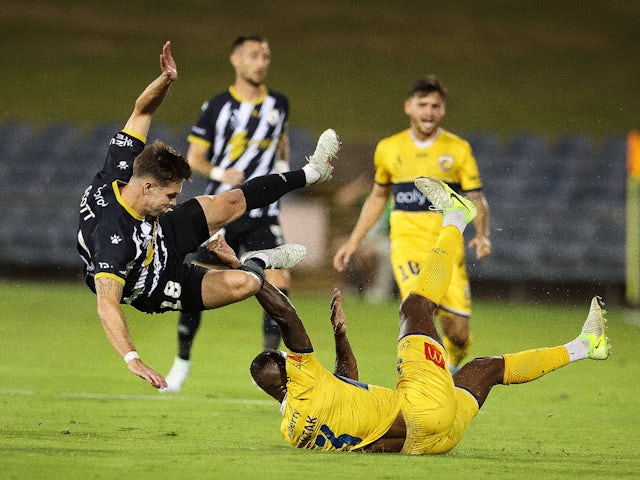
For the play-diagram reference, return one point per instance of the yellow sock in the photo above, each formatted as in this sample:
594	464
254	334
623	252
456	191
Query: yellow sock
456	353
436	270
529	365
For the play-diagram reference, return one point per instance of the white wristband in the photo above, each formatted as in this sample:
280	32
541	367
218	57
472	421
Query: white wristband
130	356
216	174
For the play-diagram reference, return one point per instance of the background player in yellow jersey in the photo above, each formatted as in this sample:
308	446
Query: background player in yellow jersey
429	410
424	149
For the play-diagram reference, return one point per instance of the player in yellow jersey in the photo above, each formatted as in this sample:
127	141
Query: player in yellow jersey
424	149
429	410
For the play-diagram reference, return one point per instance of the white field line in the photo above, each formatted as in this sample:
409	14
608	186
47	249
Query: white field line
171	397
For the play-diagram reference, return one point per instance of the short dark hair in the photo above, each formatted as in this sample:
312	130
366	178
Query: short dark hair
162	163
265	358
238	42
426	85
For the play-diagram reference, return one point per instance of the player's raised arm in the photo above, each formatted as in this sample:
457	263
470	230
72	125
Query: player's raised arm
152	96
346	365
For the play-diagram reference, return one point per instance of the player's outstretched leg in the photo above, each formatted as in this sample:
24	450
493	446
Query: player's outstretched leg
593	331
443	199
481	374
320	162
285	256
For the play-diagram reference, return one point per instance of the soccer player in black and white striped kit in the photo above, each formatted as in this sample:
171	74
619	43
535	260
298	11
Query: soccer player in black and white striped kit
133	236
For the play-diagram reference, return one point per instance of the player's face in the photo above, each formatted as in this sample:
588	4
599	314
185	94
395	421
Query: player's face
160	199
251	62
425	113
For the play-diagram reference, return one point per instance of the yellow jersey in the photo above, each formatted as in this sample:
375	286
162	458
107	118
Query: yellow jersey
324	411
399	161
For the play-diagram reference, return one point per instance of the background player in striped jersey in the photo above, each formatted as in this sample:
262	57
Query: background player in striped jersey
241	133
133	236
424	149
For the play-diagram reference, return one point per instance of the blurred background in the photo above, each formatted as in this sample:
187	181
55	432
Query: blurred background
546	92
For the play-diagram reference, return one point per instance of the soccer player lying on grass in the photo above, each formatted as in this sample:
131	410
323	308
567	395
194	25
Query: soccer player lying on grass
429	410
133	238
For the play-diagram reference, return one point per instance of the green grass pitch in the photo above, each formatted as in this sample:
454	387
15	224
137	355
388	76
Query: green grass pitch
70	409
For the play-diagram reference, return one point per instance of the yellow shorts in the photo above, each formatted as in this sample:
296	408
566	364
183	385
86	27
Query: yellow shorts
436	413
412	236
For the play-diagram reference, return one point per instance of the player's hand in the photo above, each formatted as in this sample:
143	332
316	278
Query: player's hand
338	320
219	248
482	245
232	177
343	256
167	64
140	369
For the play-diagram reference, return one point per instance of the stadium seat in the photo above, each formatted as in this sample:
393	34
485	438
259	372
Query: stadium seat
301	145
567	223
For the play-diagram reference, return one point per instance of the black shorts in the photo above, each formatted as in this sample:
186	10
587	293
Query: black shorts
180	285
247	234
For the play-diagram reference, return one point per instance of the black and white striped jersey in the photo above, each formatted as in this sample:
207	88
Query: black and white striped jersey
243	135
113	240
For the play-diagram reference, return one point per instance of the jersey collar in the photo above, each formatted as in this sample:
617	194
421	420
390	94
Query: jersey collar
116	190
426	143
234	93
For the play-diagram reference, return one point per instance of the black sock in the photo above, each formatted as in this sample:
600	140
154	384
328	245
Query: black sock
188	325
263	191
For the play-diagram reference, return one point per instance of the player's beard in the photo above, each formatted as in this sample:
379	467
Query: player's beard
256	80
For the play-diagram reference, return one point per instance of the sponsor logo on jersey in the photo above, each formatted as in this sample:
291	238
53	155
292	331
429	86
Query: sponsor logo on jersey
122	140
85	209
99	198
292	423
432	354
408	198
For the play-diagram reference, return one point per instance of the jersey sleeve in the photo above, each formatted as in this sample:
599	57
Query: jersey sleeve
469	173
124	147
203	132
111	252
380	162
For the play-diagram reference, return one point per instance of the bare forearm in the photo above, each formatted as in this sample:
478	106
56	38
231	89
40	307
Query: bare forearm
346	365
152	96
112	316
278	306
370	213
481	222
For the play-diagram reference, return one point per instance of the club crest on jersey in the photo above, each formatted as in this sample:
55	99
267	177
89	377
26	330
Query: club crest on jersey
115	239
123	165
273	117
445	162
